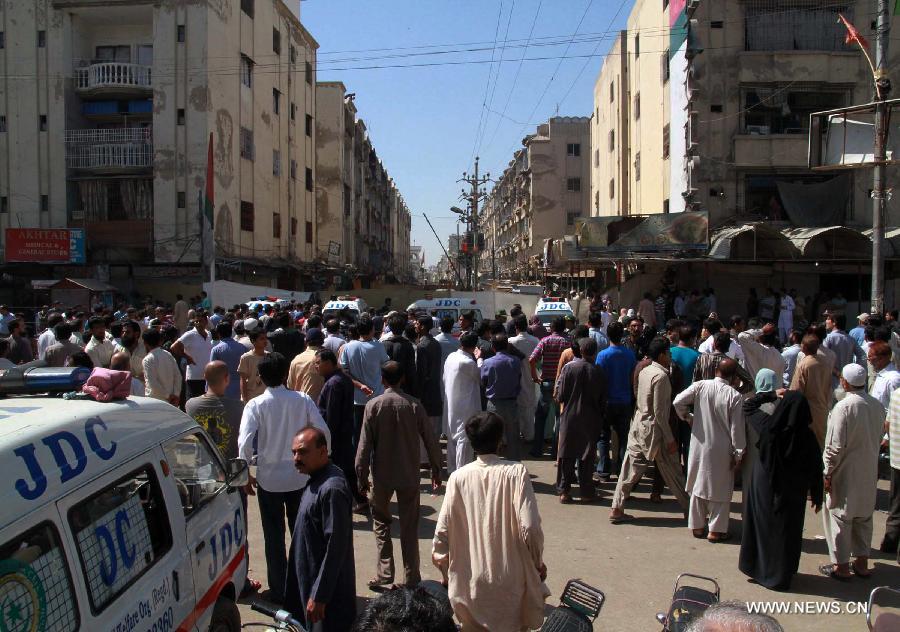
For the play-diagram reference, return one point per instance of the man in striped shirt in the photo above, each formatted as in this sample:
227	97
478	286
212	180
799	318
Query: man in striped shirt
548	351
892	527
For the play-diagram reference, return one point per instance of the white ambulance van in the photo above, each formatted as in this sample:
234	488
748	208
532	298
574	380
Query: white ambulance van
453	307
549	308
353	305
116	517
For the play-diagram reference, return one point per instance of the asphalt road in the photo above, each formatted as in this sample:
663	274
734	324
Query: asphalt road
636	564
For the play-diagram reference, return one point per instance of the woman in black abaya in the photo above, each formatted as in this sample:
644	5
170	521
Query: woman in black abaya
787	470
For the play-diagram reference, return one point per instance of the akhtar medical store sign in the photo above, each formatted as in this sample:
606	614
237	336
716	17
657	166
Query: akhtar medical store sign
44	245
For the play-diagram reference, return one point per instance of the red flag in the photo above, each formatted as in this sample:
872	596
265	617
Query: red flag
853	34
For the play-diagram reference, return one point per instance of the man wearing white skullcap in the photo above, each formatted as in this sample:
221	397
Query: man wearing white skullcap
855	427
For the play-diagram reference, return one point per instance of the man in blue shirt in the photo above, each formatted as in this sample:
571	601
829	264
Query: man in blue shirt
362	360
229	351
501	377
596	331
858	333
618	364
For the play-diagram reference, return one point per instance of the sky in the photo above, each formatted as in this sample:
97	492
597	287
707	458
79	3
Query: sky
427	122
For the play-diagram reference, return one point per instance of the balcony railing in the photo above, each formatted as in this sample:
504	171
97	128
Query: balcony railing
113	135
112	75
110	156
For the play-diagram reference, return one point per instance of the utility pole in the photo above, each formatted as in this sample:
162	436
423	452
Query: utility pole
880	193
474	196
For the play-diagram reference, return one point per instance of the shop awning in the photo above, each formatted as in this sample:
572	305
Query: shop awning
751	242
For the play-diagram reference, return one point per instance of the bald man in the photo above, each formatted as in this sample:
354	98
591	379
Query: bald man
219	414
717	445
121	361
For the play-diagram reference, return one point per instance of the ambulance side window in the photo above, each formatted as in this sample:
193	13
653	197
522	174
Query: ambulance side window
198	472
121	532
35	586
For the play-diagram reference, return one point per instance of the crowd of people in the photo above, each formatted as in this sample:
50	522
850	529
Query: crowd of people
341	416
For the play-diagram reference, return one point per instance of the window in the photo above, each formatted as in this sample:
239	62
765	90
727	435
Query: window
666	206
612	139
309	125
309	232
293	169
716	24
309	73
112	557
276	41
294	223
2	123
768	26
198	472
666	141
612	91
39	553
597	200
612	188
180	116
246	143
120	54
637	166
773	109
247	7
180	32
293	111
293	54
573	184
571	217
246	71
276	225
276	162
762	196
182	199
247	216
664	70
45	203
2	39
715	108
42	122
637	106
596	157
637	45
573	149
42	39
276	101
309	179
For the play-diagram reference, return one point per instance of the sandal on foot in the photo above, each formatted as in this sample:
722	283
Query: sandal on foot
828	571
725	537
620	519
379	584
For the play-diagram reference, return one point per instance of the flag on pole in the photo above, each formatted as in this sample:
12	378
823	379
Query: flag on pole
853	35
209	198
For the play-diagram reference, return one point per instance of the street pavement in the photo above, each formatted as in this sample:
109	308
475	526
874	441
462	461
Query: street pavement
635	564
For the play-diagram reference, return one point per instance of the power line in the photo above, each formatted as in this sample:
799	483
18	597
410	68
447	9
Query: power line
487	86
490	103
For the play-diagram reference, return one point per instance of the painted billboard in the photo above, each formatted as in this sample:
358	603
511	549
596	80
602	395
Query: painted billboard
679	100
45	245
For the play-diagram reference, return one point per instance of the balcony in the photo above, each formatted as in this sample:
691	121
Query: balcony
115	150
108	78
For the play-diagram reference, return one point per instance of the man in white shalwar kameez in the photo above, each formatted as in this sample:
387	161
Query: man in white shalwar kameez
462	389
718	441
852	443
527	401
786	316
488	541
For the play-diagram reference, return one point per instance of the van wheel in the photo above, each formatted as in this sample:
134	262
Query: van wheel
225	617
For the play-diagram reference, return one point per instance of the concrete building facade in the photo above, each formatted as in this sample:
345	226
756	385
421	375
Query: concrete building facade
108	107
363	221
545	188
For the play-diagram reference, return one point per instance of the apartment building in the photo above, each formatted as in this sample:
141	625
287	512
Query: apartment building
363	221
705	106
105	122
538	197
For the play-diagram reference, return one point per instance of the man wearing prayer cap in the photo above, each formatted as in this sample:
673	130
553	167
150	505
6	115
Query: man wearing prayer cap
852	442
